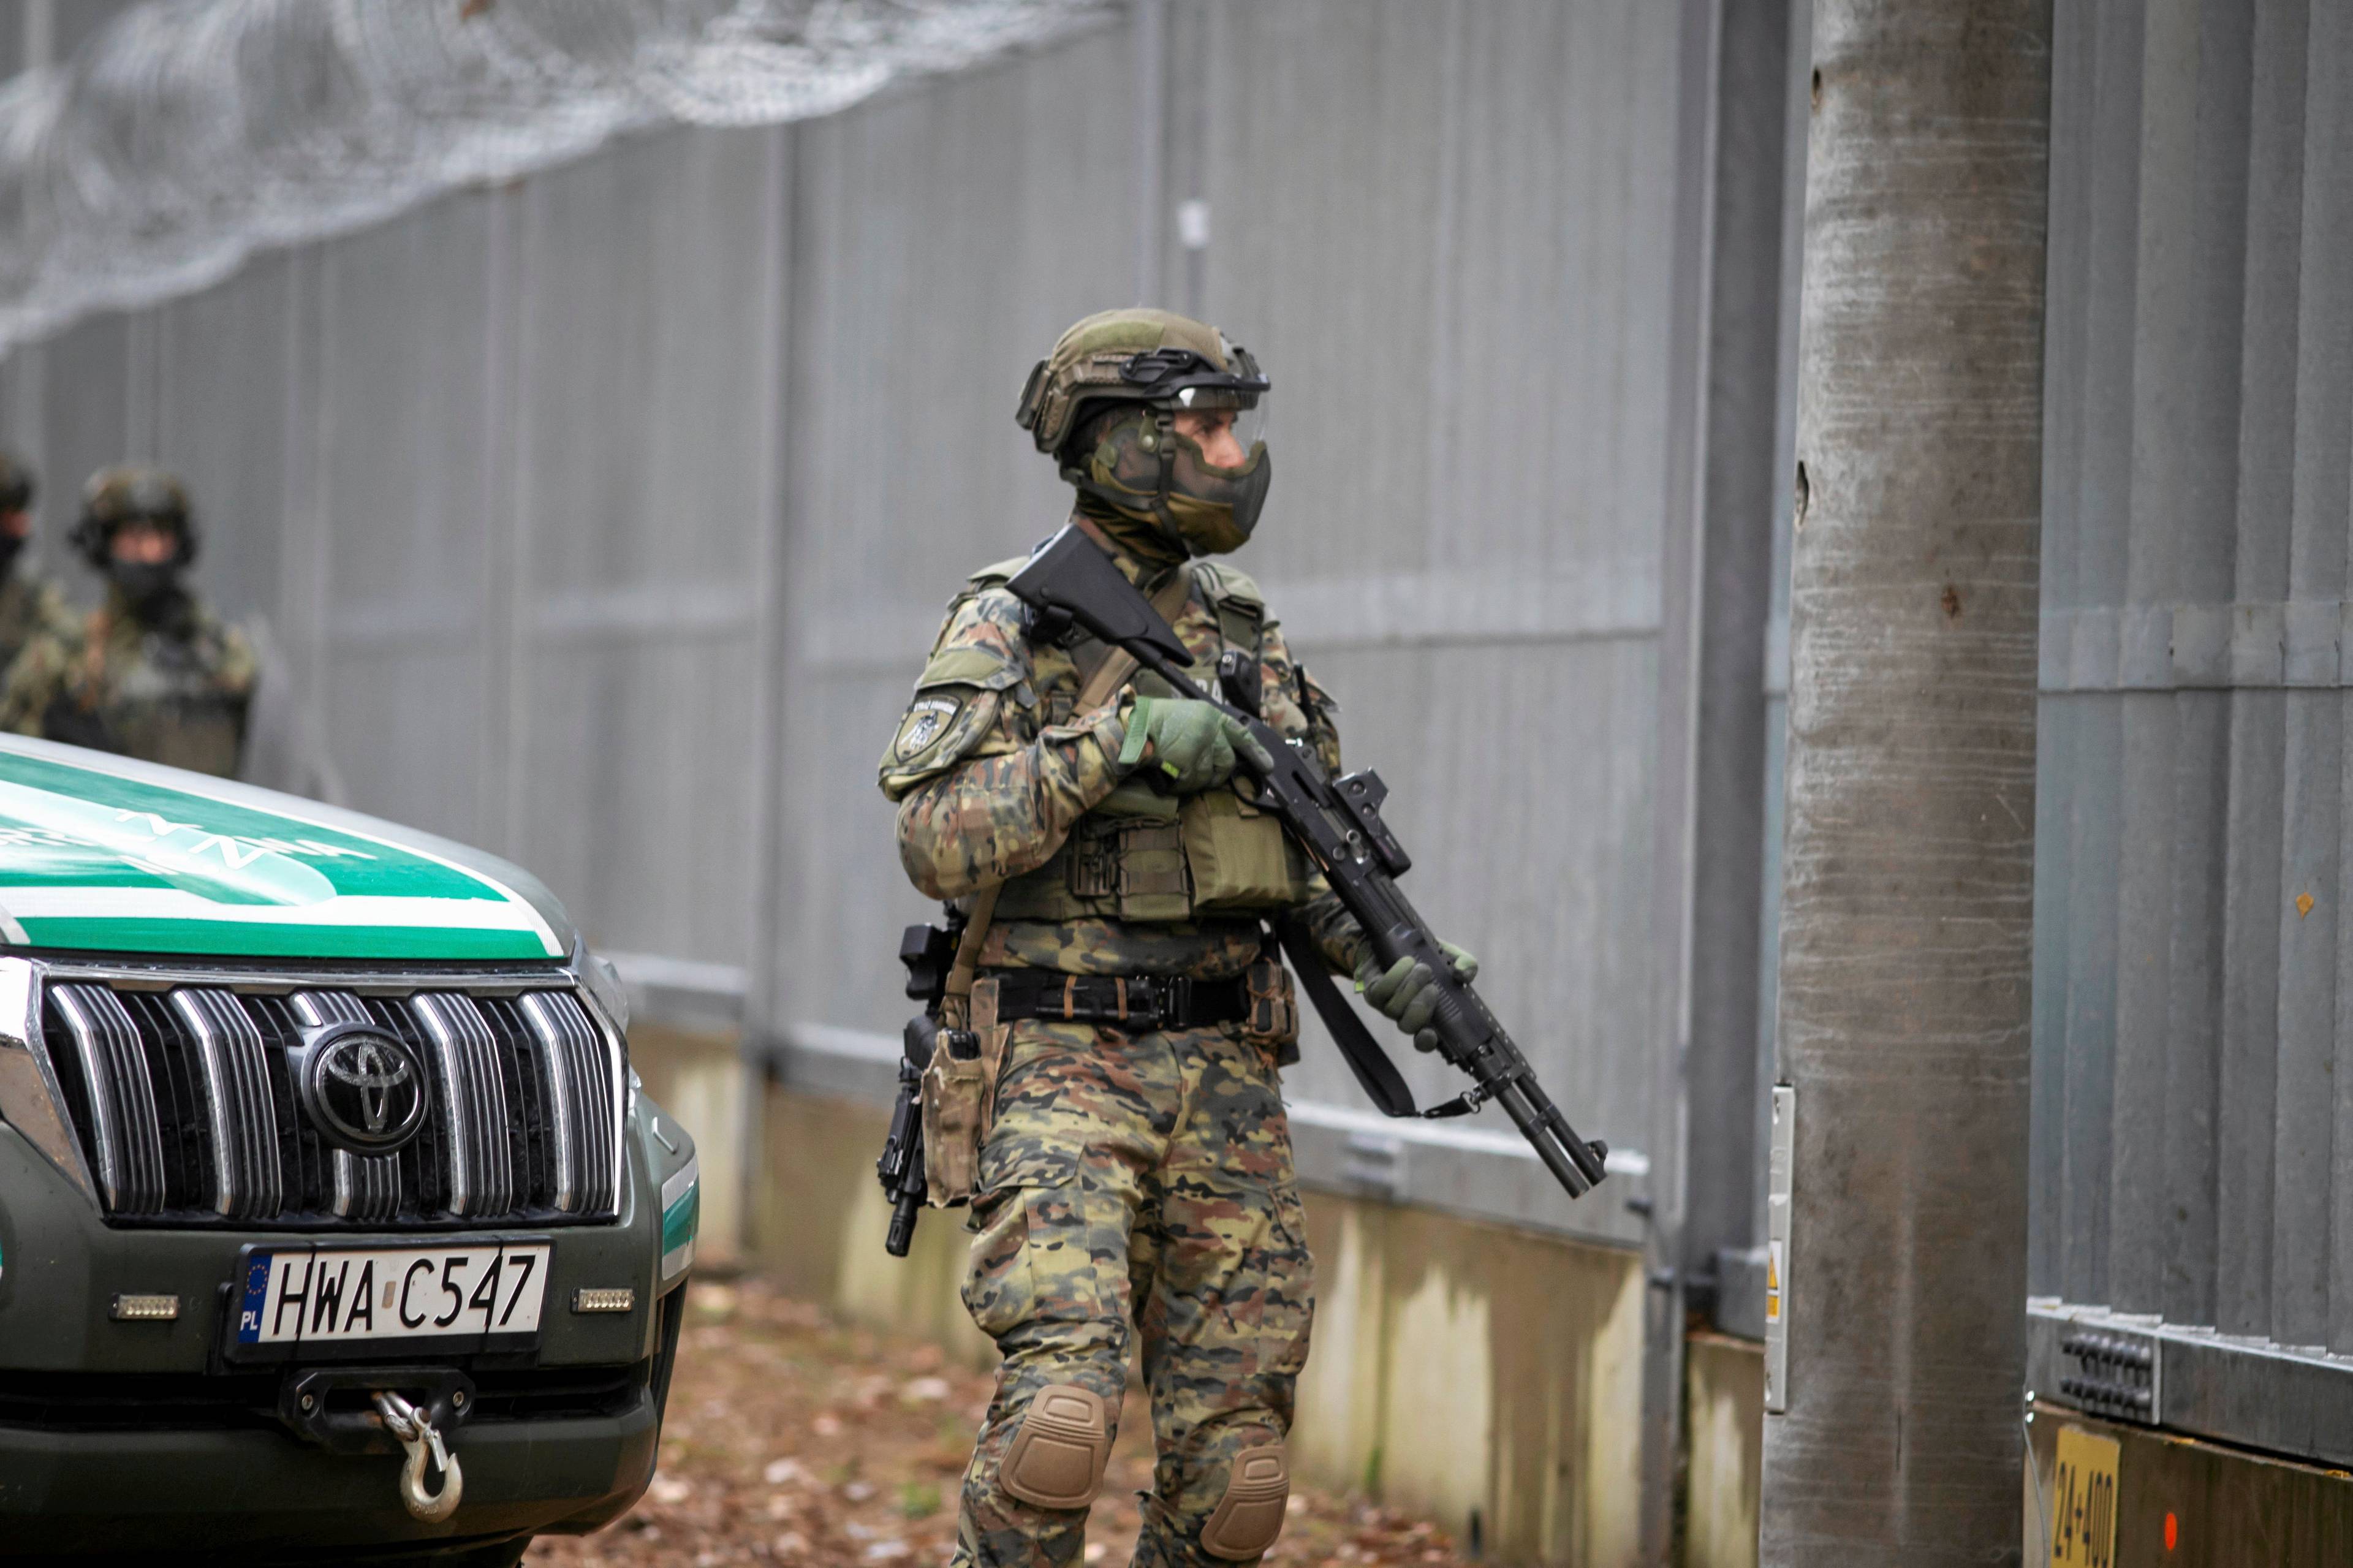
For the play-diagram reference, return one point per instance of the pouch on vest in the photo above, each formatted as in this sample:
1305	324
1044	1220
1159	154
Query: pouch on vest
1125	858
1240	858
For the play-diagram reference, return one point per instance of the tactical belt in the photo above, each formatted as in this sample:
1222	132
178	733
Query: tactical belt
1138	1004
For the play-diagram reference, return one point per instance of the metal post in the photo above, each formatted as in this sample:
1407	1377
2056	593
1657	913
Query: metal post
1683	632
1148	35
1908	862
772	646
1724	576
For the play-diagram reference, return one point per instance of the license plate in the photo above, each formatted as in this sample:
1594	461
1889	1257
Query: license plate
2083	1501
351	1294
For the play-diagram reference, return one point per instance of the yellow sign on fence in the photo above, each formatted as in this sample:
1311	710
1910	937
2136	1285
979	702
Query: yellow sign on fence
2083	1501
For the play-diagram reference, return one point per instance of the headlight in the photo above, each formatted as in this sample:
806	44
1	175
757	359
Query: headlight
29	1100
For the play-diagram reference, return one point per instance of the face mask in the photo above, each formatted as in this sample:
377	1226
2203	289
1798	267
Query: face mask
146	586
1209	511
1216	508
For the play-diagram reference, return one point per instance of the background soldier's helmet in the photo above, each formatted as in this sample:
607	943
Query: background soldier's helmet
17	483
1155	364
119	496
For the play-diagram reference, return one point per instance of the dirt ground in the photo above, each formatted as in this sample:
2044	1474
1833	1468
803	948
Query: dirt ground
794	1439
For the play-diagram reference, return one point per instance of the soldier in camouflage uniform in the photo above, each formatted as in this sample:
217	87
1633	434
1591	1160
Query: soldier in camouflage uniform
1134	1172
152	673
31	610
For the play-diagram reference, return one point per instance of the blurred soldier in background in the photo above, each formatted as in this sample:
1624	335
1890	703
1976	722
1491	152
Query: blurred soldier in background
31	610
1108	1097
152	673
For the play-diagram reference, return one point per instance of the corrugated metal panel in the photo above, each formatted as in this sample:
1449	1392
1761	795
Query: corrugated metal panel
2191	958
220	424
644	353
85	407
402	428
373	474
1475	431
941	240
504	473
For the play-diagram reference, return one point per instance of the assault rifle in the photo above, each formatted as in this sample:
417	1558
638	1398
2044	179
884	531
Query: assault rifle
927	950
1338	822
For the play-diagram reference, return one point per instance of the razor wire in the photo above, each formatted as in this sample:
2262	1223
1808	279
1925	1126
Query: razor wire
188	134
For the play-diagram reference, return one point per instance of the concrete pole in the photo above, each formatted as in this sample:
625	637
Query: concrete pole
1908	865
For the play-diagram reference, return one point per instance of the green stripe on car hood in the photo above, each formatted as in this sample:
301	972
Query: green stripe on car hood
102	852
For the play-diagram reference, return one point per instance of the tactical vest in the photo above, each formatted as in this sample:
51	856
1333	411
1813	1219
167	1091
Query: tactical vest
1142	856
167	706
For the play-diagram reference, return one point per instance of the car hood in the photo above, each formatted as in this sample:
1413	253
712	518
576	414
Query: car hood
101	852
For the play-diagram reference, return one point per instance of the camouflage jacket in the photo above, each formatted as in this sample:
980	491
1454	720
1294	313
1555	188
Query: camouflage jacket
32	611
175	692
992	770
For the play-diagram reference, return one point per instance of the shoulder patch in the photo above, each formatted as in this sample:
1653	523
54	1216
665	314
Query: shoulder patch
943	725
928	718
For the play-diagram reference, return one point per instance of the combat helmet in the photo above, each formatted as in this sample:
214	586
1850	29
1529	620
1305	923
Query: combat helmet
1159	364
117	497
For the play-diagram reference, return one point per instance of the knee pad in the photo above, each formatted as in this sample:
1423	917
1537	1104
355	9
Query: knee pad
1249	1516
1057	1459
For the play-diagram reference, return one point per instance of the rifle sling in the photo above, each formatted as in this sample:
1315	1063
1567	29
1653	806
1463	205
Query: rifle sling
1113	672
1379	1076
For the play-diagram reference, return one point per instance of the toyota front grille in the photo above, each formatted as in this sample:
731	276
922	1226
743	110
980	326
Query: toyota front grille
247	1100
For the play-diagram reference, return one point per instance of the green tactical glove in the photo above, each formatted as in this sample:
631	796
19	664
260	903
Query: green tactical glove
1408	993
1192	743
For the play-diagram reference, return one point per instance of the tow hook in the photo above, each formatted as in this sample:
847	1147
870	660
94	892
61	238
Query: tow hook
417	1434
361	1410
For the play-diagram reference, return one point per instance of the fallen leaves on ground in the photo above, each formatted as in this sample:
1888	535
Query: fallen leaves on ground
794	1438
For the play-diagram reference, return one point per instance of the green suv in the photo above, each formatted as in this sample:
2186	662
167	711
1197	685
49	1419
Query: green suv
333	1226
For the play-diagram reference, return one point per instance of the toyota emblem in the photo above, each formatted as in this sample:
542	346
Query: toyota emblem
364	1090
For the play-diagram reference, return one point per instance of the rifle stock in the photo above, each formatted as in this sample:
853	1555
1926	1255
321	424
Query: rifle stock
1339	825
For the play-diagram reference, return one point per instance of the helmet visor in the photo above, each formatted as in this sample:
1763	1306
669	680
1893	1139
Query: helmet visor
1216	415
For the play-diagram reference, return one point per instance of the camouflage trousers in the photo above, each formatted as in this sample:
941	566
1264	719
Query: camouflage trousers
1136	1184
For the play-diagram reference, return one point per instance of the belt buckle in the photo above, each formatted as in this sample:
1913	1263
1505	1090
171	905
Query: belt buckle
1176	999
